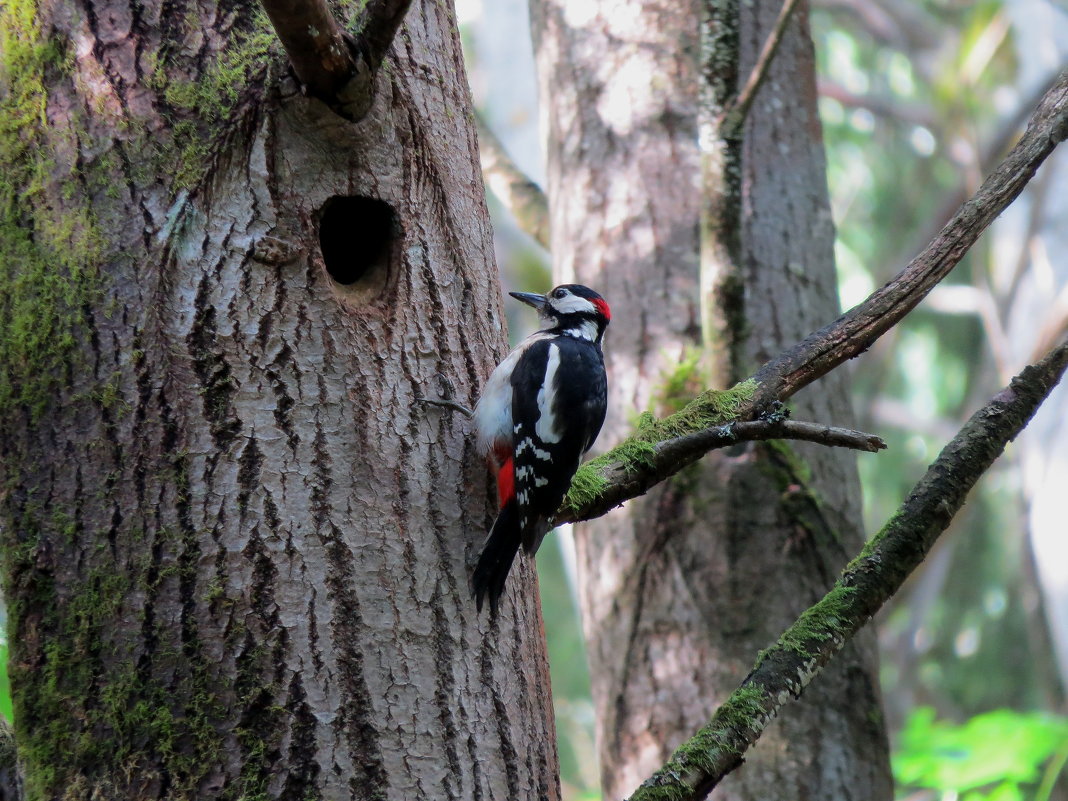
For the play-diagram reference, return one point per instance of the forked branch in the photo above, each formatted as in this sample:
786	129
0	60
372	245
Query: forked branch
333	66
782	671
619	477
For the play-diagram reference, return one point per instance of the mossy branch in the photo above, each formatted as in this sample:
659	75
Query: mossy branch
646	459
704	425
637	463
333	66
782	671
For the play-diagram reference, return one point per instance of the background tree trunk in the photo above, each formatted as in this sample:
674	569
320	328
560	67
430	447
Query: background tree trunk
1028	314
683	587
238	546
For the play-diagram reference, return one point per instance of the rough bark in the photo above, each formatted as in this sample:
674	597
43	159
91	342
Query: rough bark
238	549
684	586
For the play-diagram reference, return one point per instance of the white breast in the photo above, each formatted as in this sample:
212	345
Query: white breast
493	414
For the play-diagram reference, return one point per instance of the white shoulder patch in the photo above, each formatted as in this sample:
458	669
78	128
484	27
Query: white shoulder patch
587	330
546	426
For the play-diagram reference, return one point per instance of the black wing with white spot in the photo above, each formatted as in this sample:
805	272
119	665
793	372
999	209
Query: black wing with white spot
558	407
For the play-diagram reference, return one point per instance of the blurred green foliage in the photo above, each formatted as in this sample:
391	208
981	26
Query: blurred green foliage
569	673
5	686
996	756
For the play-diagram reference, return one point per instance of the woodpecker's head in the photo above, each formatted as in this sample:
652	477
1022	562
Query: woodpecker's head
572	309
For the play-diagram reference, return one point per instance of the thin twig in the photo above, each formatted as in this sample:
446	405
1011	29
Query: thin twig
447	404
512	187
759	430
733	115
784	670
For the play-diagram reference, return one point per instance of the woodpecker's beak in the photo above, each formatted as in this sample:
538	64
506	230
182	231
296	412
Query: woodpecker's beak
531	299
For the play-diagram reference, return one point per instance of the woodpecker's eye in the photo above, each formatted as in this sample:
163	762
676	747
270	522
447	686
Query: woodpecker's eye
560	293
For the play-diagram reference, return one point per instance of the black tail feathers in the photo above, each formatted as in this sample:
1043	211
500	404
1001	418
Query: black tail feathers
497	556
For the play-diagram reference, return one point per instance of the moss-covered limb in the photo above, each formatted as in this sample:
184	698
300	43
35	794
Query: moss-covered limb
636	464
782	671
660	448
633	467
856	330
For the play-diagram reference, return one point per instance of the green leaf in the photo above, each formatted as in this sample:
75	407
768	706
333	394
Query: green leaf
1003	747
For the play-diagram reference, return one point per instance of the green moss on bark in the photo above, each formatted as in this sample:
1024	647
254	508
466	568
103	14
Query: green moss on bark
94	719
202	108
710	408
705	751
49	246
828	619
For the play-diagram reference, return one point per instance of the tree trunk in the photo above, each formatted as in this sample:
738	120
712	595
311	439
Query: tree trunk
682	588
1026	282
239	547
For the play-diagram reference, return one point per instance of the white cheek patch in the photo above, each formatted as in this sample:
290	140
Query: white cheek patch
546	425
573	304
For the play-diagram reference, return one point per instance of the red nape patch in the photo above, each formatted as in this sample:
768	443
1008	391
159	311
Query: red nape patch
506	482
602	307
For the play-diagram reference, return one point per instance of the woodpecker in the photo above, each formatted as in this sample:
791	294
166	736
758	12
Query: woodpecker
540	411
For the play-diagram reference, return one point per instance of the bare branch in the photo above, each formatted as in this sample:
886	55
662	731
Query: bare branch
885	107
334	67
686	449
783	671
856	330
315	45
447	404
520	195
759	430
381	21
620	479
995	149
733	116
